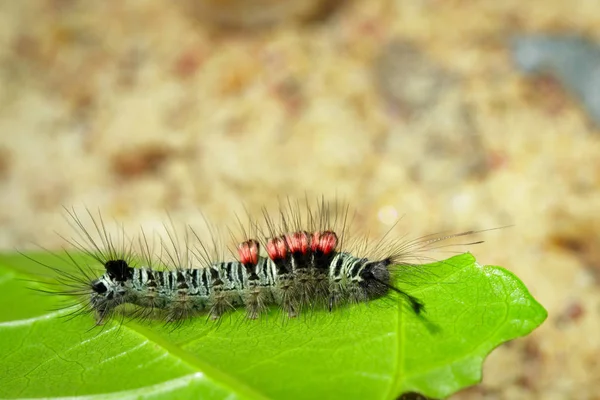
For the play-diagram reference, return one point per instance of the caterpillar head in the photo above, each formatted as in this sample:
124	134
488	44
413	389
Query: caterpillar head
108	291
98	287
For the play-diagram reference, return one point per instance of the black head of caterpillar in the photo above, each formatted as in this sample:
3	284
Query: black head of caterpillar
304	266
77	274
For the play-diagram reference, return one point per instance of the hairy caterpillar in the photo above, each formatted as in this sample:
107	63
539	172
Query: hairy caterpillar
306	262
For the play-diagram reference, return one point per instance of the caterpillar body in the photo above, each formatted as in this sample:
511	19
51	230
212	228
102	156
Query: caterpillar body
303	266
253	283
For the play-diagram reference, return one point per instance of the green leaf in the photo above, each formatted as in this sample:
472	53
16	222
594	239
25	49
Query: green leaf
376	350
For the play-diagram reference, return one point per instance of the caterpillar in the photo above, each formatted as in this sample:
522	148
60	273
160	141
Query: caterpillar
302	261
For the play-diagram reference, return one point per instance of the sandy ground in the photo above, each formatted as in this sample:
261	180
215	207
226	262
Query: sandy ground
410	108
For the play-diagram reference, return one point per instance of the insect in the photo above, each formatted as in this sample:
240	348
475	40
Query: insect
300	259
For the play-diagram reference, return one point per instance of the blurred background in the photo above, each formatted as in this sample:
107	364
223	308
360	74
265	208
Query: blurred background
456	114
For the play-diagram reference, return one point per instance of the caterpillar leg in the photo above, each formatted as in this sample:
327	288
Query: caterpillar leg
102	308
335	297
288	302
256	301
221	304
180	309
101	316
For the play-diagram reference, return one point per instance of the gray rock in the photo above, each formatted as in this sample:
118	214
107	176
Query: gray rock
573	60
